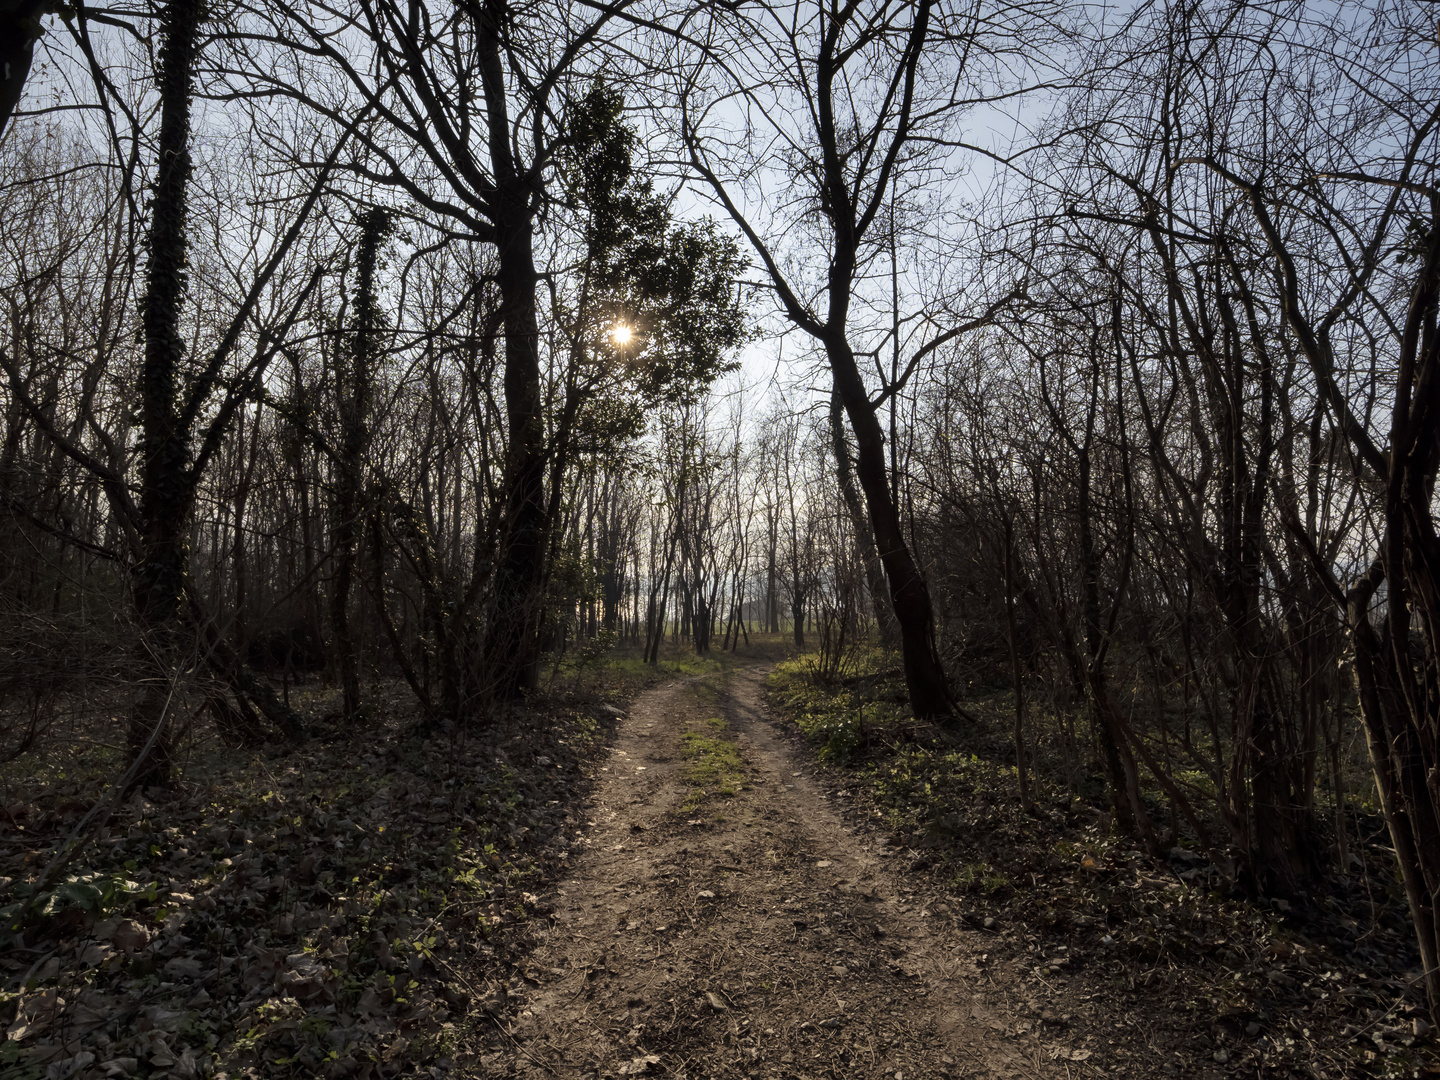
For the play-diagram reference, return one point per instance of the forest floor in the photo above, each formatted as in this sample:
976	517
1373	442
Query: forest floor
747	904
696	870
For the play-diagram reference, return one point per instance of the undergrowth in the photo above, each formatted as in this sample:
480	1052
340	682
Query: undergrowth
300	913
1324	988
624	670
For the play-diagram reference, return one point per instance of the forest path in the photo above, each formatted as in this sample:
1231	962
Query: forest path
745	935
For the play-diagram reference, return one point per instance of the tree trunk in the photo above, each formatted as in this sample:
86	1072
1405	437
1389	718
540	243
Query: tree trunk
1017	682
864	535
909	595
772	599
19	30
1408	806
701	623
354	394
166	490
240	556
520	578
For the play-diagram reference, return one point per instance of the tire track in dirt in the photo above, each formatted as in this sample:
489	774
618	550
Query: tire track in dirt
752	937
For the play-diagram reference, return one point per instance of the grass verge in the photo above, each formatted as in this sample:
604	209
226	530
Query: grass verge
713	765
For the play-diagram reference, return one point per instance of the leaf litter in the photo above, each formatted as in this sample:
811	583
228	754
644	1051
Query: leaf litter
350	908
369	906
1109	956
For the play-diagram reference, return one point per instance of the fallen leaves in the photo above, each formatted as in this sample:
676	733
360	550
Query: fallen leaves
34	1013
1102	930
285	917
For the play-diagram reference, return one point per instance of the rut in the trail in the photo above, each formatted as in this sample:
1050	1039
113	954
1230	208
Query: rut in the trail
749	936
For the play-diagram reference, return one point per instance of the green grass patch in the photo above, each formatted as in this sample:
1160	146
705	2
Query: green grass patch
677	664
979	878
713	765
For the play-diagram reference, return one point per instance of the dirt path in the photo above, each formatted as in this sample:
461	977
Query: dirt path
751	935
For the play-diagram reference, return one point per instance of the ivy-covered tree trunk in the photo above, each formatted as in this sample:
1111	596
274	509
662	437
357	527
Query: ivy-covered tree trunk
166	488
520	580
354	392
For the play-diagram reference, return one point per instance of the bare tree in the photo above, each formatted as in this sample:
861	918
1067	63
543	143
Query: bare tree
848	108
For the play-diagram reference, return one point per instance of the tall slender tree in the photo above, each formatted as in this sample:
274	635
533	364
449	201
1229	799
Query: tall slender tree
354	393
848	106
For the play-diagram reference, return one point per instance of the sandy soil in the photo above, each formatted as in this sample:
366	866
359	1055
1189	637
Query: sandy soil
755	935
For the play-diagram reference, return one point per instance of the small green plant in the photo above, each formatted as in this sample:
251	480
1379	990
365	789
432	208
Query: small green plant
316	1026
979	878
433	1044
843	734
591	652
89	895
